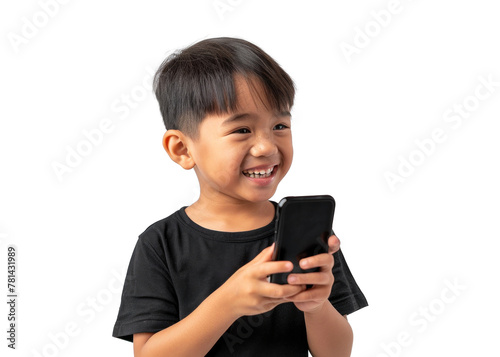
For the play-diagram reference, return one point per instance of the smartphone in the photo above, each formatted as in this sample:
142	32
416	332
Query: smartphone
303	226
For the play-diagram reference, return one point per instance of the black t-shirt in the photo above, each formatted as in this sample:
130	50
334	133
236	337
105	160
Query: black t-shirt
177	264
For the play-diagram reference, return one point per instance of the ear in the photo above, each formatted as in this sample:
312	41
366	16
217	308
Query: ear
175	144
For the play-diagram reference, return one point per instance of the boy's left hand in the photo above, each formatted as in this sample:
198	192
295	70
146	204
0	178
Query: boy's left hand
313	299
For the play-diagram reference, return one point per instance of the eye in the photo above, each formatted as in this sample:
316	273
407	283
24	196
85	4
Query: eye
241	131
281	127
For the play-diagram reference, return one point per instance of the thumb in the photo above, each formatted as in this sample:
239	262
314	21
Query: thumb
333	244
265	255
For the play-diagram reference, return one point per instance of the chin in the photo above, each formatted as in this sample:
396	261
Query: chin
261	197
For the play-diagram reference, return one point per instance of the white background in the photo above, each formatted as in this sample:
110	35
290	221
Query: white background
356	118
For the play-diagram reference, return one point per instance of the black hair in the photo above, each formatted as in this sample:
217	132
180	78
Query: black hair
199	80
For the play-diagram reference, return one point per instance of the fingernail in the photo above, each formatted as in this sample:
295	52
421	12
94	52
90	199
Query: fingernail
304	263
292	279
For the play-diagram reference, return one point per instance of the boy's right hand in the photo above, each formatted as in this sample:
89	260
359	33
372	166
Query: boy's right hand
248	291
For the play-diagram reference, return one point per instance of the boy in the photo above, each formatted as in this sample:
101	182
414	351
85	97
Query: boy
197	281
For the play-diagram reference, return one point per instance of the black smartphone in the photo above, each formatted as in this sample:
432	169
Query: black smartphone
303	226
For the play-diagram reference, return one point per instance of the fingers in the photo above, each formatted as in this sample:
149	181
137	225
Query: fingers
278	291
333	244
310	295
264	256
318	278
309	299
262	266
323	277
324	261
268	268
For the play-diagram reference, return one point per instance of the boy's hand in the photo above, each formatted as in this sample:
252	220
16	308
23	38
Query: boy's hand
248	291
313	299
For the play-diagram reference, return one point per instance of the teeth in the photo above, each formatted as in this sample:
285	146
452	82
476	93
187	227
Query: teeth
258	173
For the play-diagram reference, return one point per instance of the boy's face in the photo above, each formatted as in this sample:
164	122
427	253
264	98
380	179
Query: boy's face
229	147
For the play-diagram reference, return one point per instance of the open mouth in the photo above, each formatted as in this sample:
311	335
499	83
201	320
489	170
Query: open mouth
259	173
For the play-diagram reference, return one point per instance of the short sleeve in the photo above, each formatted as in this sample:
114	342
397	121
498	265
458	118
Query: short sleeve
148	302
346	296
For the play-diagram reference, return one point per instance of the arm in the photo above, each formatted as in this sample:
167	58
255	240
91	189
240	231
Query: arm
194	335
246	292
328	332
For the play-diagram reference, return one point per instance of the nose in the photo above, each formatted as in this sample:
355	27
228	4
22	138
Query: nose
264	145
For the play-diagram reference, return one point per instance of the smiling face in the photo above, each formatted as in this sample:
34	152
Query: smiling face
243	155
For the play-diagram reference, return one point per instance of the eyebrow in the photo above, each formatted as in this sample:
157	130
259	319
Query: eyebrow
241	116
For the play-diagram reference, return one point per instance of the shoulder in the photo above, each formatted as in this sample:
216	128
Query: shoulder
161	234
164	226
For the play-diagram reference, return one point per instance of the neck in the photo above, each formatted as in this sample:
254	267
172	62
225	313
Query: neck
231	216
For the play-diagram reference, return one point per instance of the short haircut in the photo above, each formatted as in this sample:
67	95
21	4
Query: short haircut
200	80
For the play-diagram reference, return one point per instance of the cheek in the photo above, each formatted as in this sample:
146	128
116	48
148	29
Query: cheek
288	152
223	180
230	171
233	159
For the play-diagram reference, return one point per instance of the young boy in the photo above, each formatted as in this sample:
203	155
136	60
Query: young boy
197	280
